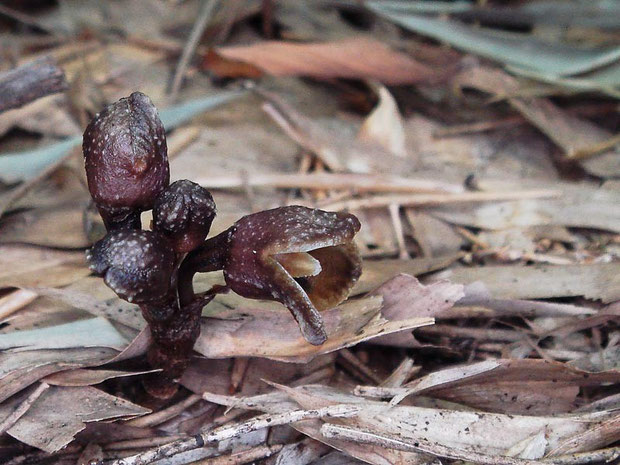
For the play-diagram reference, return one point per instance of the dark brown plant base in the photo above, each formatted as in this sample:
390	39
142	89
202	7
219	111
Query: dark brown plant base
174	335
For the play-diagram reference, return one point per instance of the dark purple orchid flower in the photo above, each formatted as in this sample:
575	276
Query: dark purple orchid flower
183	213
126	160
137	265
303	258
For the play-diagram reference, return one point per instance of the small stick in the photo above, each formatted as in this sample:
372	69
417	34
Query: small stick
29	82
240	366
397	224
22	408
25	19
602	455
326	180
228	432
165	414
246	456
143	443
595	149
440	199
485	334
401	374
206	11
15	301
359	365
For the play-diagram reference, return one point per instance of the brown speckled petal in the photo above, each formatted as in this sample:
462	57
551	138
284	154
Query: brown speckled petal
126	159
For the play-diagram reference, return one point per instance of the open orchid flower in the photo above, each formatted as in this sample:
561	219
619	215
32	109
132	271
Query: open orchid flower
301	257
126	160
183	213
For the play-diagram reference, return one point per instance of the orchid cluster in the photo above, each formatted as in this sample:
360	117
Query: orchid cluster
303	258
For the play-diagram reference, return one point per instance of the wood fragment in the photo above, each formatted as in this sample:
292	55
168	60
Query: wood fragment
235	430
438	199
15	301
359	366
165	414
29	82
246	456
325	180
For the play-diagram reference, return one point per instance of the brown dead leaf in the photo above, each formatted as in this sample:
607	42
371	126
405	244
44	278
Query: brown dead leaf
529	387
376	271
435	237
29	266
60	413
62	226
356	58
85	377
44	116
584	206
405	297
228	68
21	369
339	152
272	333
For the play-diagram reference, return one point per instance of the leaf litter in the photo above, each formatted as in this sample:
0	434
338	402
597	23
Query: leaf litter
484	327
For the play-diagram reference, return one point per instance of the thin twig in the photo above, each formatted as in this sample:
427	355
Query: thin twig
9	421
165	414
332	181
595	149
15	301
602	455
397	225
143	443
440	199
29	82
205	14
25	19
235	430
401	374
246	456
359	366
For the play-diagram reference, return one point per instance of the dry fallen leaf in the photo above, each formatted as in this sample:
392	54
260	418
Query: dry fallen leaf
29	266
272	333
356	58
573	134
599	281
60	413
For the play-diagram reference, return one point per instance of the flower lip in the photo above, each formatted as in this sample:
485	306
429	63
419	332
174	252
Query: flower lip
303	258
136	265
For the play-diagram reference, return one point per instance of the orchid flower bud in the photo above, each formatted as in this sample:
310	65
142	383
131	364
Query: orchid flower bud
136	265
183	213
303	258
126	160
